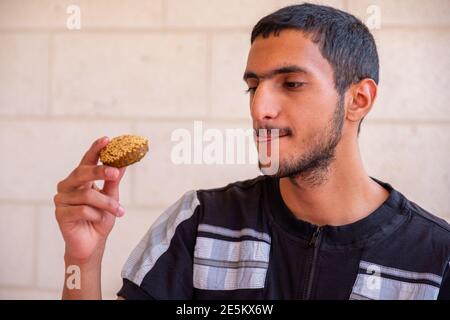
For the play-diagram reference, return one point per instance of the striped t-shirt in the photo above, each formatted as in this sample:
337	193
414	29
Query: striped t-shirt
242	242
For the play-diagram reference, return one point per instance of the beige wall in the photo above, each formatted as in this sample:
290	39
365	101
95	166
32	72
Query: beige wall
148	67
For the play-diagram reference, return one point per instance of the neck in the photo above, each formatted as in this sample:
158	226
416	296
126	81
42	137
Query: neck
343	193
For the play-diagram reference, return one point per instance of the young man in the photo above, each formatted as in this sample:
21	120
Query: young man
320	228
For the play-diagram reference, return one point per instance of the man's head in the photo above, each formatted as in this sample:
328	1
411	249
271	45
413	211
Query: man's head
312	73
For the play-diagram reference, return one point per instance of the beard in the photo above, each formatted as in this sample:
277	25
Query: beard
311	166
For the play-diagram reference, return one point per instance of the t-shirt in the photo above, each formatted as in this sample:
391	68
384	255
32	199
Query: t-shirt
242	242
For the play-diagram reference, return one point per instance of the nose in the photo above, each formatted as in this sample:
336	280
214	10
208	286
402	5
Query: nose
263	104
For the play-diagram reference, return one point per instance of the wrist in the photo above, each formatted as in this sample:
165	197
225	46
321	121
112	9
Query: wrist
94	260
82	278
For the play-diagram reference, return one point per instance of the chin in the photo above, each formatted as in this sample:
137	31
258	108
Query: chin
274	169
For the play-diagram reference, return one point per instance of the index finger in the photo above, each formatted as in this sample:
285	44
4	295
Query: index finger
92	155
85	175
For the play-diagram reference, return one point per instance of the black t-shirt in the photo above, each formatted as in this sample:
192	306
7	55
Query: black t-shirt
242	242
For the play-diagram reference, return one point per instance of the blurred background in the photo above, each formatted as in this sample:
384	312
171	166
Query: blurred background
150	66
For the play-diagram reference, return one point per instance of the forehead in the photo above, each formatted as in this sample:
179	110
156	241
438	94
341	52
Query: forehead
290	47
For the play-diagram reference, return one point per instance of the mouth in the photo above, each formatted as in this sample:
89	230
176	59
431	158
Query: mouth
267	135
268	139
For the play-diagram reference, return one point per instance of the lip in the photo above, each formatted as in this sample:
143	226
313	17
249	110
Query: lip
269	138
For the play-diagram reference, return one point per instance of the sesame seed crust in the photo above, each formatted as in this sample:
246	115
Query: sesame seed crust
124	150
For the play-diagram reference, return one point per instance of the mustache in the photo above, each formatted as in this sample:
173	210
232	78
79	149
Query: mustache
268	130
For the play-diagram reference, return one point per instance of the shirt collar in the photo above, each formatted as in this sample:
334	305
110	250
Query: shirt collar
384	220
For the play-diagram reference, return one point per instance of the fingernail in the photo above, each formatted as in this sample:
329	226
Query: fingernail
120	211
103	140
111	173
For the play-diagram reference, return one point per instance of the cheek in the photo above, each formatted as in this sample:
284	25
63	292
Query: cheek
310	114
304	121
304	104
307	131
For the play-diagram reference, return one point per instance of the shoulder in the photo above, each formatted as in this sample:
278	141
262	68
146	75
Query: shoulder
430	221
233	194
235	206
429	230
194	205
422	225
237	190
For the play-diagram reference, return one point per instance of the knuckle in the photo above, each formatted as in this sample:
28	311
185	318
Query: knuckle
76	173
112	204
56	199
60	185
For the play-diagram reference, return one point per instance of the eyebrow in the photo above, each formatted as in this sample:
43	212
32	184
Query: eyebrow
272	73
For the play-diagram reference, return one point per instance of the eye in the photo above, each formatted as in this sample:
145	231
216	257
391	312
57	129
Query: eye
294	85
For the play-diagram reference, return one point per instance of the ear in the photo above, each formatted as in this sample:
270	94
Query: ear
361	97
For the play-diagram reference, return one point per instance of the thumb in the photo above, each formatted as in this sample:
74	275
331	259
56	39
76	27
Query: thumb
111	188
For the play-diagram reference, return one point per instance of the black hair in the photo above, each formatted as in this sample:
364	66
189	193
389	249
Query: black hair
344	41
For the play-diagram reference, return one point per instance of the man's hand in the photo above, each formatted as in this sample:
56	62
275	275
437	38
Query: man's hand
86	214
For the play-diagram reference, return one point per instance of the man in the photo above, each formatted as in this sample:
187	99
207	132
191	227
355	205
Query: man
320	228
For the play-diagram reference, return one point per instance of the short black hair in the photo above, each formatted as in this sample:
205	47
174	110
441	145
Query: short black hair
344	41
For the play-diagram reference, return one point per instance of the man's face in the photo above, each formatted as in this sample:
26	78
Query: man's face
292	89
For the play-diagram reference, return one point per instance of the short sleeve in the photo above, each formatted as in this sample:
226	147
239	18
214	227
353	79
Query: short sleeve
161	266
